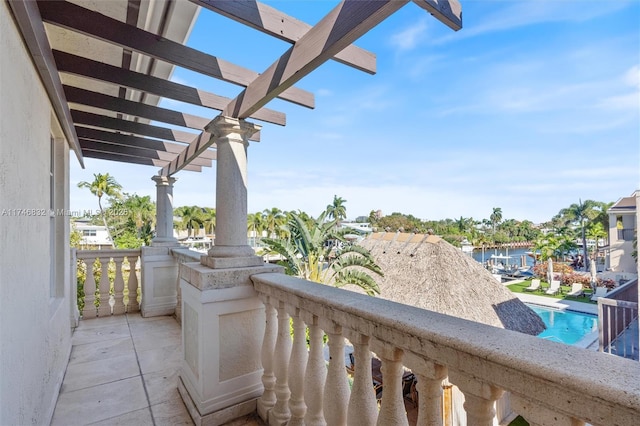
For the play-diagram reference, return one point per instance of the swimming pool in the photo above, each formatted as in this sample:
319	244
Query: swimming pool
567	327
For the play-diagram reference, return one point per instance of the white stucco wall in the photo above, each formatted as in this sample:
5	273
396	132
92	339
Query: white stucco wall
35	328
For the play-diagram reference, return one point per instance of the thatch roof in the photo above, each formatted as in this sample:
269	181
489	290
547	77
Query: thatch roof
427	272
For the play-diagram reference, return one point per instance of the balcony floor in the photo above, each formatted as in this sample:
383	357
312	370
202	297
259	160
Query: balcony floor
123	370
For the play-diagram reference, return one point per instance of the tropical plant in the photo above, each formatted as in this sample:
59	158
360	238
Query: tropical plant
190	219
596	232
273	218
208	218
103	184
309	252
581	213
496	217
337	209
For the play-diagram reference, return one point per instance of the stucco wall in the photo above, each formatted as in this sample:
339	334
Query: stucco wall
35	328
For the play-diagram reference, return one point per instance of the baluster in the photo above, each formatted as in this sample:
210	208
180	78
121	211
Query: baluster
280	413
363	409
118	288
315	375
90	310
336	390
392	410
541	416
132	285
429	387
104	309
479	398
297	366
268	398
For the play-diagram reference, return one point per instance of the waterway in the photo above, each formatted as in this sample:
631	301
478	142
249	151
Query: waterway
514	255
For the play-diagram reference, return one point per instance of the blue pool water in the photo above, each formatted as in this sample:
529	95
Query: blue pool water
565	326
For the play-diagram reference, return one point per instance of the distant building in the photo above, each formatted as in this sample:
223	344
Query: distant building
622	231
93	236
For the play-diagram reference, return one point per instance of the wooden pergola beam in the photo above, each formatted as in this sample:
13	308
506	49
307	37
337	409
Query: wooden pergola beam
111	103
28	18
102	121
279	25
136	152
76	18
95	70
135	141
341	27
449	12
133	160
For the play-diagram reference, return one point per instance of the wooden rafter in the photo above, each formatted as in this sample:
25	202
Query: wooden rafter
134	160
449	12
88	22
136	141
341	27
277	24
135	151
97	120
89	68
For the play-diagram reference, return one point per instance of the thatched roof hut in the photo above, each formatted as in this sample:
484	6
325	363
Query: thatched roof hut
427	272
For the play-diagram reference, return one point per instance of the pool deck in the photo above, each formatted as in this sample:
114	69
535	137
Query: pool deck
586	308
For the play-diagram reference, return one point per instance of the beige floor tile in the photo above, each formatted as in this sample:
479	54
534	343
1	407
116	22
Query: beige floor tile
164	358
156	340
99	333
99	402
100	350
171	413
103	321
158	325
162	386
93	373
138	418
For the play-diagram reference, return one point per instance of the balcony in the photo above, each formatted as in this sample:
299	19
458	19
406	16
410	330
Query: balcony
128	368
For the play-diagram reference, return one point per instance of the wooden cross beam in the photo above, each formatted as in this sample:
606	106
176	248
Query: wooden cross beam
76	18
341	27
87	133
271	21
134	160
96	70
135	151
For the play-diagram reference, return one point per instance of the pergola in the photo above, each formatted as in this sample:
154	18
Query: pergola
108	117
106	65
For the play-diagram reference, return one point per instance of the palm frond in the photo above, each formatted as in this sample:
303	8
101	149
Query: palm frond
359	278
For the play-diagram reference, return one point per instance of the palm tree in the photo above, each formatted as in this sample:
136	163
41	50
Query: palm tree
103	184
274	218
496	217
596	232
190	219
141	211
208	218
255	226
337	210
308	253
581	213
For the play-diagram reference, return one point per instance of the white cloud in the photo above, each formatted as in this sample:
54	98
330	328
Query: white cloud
408	38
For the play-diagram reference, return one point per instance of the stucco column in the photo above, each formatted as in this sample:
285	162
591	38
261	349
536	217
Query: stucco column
230	248
164	211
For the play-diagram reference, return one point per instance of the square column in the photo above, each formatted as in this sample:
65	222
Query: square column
223	320
164	212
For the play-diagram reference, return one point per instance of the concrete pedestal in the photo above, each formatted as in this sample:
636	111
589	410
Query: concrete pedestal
222	328
159	281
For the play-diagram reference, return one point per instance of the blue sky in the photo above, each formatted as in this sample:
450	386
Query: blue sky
532	106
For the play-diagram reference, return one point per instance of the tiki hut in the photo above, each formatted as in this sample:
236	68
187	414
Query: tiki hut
427	272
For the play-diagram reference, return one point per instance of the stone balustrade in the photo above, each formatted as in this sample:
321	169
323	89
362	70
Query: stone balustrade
549	383
112	295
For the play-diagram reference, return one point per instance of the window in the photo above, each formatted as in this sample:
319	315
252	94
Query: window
88	232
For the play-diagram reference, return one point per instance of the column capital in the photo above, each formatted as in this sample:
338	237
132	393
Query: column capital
225	127
163	180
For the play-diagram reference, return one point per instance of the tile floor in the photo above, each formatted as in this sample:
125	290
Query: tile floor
123	371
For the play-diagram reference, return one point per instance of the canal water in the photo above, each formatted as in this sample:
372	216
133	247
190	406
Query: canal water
514	255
